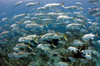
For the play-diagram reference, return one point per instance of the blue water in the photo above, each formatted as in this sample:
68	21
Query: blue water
8	6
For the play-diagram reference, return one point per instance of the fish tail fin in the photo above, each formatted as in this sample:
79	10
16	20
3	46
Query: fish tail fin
97	35
74	17
29	46
36	41
39	3
83	25
41	26
62	3
53	45
46	26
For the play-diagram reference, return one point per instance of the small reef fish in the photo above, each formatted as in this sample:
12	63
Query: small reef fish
18	3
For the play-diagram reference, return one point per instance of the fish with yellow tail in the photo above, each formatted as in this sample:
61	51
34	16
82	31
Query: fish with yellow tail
47	24
35	39
53	44
65	37
62	3
58	34
97	35
29	46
